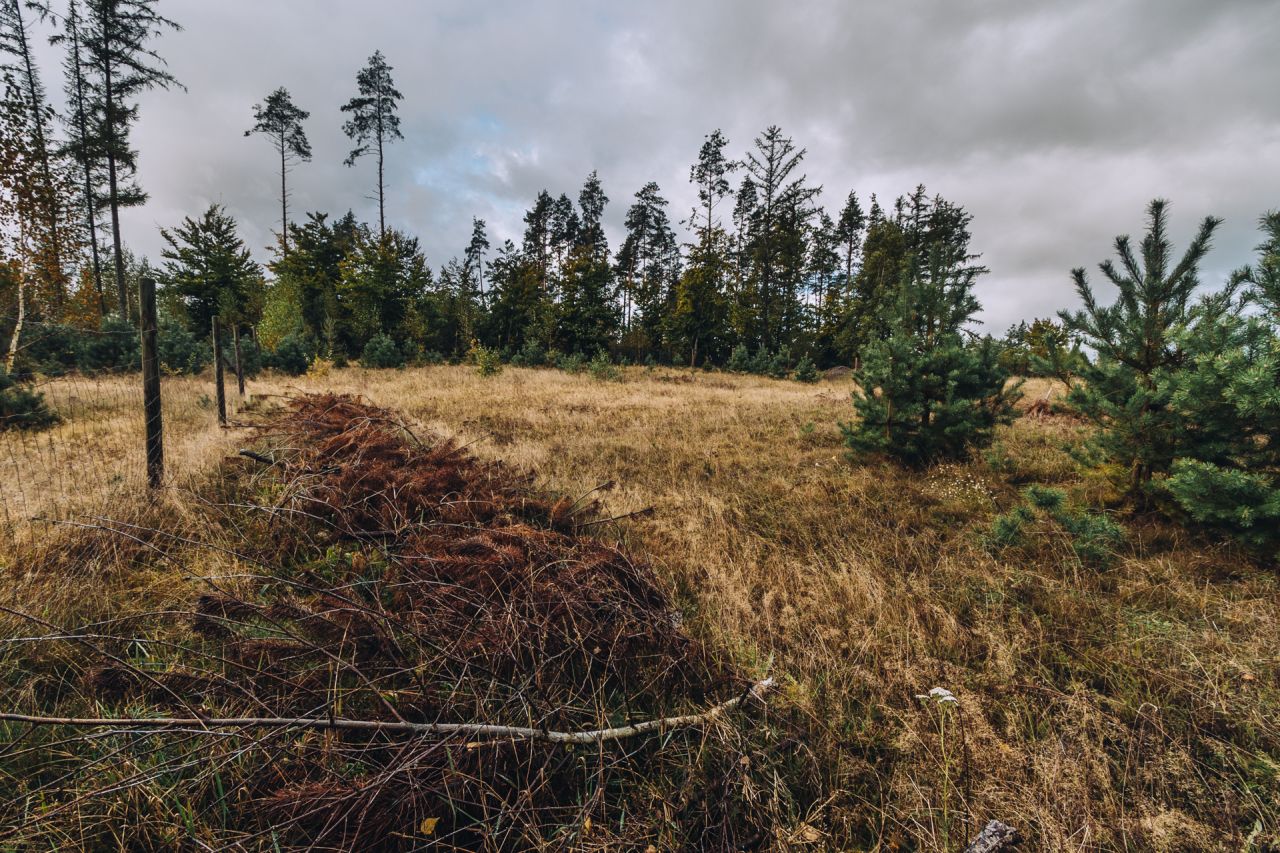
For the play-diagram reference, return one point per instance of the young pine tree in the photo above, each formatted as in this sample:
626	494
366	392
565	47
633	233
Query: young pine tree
929	392
1226	474
208	271
1139	341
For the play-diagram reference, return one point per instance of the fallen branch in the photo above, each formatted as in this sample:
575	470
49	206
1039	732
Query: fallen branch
469	729
640	513
257	457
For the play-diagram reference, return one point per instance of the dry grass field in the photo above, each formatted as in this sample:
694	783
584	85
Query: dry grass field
1132	707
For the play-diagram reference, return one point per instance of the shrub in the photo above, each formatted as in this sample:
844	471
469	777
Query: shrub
779	366
739	360
48	348
381	352
21	407
488	360
292	356
1095	538
530	355
573	363
806	370
179	350
602	368
319	367
760	362
114	347
252	358
1245	505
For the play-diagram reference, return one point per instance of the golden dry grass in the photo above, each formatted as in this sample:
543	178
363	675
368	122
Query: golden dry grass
1131	709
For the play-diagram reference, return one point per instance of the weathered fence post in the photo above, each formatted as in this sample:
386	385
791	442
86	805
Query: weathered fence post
221	394
235	338
151	382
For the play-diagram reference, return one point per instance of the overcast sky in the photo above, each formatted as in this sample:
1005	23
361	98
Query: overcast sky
1053	123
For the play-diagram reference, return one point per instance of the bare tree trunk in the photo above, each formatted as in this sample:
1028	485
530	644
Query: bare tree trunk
19	321
91	212
382	210
284	211
93	239
122	292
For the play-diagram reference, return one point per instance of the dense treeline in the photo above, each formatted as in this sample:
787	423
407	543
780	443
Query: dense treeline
757	275
777	278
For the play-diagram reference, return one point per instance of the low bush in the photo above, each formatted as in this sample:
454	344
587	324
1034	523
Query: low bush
602	368
112	348
779	366
180	351
1094	537
530	355
21	407
806	370
292	355
573	363
381	352
488	360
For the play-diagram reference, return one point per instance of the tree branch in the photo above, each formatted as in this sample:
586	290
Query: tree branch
469	729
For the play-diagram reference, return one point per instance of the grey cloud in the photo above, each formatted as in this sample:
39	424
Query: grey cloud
1053	123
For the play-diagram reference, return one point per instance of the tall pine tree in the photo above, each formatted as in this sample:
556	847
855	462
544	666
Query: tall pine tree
474	259
700	310
121	66
587	318
280	120
776	233
374	123
648	264
84	146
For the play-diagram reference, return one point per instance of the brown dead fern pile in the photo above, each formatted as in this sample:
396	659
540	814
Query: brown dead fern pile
394	578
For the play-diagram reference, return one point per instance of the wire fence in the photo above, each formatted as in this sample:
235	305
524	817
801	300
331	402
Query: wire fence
94	458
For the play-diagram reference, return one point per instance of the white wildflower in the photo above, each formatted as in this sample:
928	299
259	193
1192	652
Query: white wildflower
941	695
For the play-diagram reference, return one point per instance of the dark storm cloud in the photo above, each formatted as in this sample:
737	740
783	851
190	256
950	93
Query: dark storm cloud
1053	123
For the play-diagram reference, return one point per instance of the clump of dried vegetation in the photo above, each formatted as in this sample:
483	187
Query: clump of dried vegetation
379	569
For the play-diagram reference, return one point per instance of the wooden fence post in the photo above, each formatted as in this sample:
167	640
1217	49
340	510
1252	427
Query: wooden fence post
151	382
221	393
235	338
